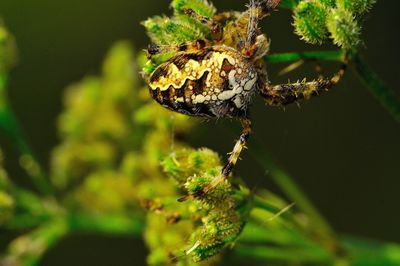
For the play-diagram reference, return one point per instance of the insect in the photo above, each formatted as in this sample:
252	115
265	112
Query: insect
218	77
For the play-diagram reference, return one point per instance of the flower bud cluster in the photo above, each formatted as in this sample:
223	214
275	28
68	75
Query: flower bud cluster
317	20
218	216
177	29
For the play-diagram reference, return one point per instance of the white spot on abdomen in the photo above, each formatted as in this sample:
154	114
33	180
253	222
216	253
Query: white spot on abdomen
249	84
199	99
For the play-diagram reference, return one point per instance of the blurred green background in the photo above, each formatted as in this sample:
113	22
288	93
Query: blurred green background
342	148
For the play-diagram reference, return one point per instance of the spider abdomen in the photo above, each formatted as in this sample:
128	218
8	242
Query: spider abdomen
216	82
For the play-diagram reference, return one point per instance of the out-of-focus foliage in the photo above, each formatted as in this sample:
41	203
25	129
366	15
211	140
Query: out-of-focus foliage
8	51
111	139
7	203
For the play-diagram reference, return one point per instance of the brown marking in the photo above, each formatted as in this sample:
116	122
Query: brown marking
161	71
153	93
183	47
200	44
180	92
225	85
181	59
203	109
200	84
171	95
226	66
165	96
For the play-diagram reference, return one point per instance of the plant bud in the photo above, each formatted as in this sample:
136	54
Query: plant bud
309	21
343	28
356	7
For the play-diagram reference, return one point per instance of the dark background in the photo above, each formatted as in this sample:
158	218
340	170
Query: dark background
342	148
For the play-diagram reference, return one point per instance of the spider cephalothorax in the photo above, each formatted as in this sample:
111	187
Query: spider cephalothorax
217	76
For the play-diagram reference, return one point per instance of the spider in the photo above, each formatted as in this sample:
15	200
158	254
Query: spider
218	77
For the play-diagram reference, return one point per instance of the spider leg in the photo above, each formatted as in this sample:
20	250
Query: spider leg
252	27
239	146
154	49
284	94
232	160
256	44
227	15
267	6
213	25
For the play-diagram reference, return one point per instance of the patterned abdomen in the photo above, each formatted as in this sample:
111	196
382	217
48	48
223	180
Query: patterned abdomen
214	82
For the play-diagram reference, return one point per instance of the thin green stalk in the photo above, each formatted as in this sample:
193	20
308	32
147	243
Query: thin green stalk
314	55
385	95
28	249
262	204
284	213
364	252
290	4
9	124
285	254
117	224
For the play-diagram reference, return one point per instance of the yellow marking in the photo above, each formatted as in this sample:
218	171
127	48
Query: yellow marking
199	99
236	152
180	99
249	84
193	70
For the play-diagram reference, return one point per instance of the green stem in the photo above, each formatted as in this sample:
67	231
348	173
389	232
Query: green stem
385	95
290	4
286	255
314	55
28	249
283	212
364	252
117	224
356	252
9	124
262	204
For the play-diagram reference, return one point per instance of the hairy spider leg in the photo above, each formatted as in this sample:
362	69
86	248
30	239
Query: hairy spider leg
267	6
257	10
226	16
154	49
233	158
213	25
252	29
284	94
